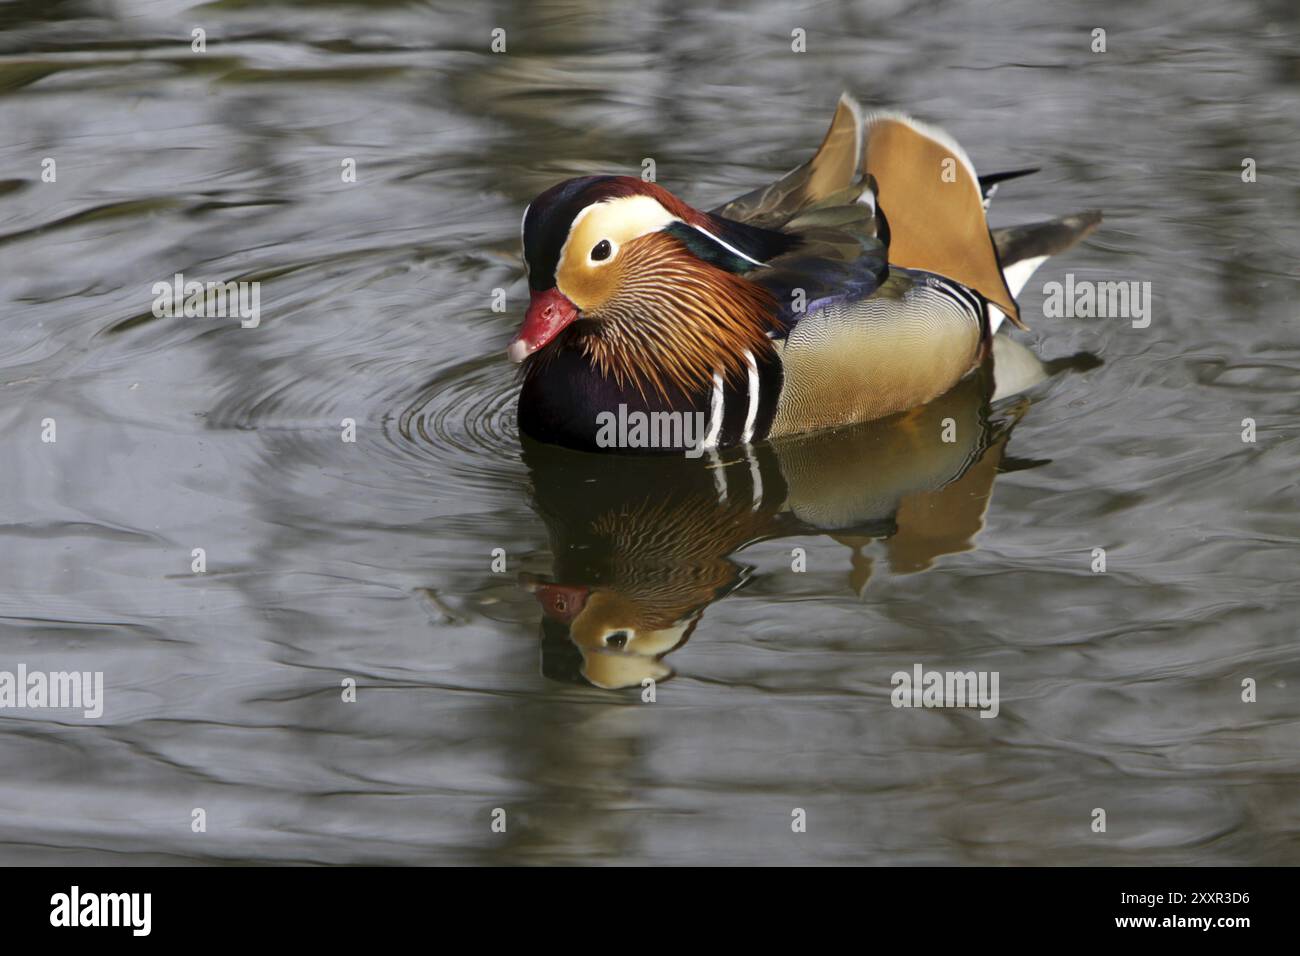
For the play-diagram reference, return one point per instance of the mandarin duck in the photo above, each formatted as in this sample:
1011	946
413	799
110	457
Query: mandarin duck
863	283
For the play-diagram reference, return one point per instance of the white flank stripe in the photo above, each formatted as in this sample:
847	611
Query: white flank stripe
715	414
752	413
719	476
756	477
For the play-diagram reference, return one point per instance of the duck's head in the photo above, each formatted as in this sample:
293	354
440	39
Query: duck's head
652	289
621	641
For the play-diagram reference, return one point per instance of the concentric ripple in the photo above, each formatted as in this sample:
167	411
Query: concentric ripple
465	419
469	409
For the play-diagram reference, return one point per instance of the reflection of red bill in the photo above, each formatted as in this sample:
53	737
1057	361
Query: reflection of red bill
549	313
561	602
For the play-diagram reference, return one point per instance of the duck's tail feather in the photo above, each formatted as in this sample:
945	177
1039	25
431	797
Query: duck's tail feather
1022	249
1039	240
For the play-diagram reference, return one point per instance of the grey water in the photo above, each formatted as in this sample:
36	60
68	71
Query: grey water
427	568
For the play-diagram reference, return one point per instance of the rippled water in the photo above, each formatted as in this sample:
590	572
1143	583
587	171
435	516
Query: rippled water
372	560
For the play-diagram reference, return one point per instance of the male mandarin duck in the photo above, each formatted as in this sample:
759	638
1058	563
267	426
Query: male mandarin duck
863	283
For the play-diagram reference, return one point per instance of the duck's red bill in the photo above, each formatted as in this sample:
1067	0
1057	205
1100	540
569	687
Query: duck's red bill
548	314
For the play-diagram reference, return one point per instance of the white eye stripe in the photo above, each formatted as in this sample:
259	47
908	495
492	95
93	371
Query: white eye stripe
728	246
618	220
623	219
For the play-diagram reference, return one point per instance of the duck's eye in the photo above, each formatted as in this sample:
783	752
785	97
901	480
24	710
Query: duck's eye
601	251
617	640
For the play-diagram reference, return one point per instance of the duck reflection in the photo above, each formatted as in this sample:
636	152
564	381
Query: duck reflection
644	544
